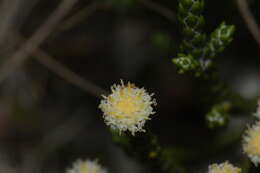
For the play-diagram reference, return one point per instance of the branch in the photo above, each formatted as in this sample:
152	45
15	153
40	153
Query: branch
38	37
67	74
249	19
62	71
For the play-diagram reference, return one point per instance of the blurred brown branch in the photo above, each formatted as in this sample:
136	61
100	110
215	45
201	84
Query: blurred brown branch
249	19
63	71
31	46
67	74
37	38
47	60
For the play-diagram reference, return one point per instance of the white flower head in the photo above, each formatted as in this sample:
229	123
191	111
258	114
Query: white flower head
257	113
225	167
86	166
127	108
251	143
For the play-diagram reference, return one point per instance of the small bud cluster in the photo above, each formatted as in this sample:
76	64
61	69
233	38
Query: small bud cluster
185	63
219	39
218	115
191	18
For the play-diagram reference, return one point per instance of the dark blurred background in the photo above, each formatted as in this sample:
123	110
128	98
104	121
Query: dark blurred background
47	120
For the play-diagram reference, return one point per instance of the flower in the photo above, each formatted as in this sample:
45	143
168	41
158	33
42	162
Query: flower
86	166
127	107
251	143
257	113
225	167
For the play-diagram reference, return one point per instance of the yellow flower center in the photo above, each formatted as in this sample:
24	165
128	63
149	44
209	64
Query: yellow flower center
88	169
127	106
83	169
128	103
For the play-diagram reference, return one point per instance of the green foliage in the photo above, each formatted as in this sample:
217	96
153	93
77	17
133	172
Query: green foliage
192	22
219	39
186	63
218	116
197	47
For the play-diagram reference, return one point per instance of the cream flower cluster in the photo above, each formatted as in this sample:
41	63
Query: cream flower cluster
251	143
87	166
225	167
127	108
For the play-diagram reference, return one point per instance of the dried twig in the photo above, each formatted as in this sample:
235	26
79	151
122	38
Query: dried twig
58	68
73	126
249	19
38	37
67	74
62	71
